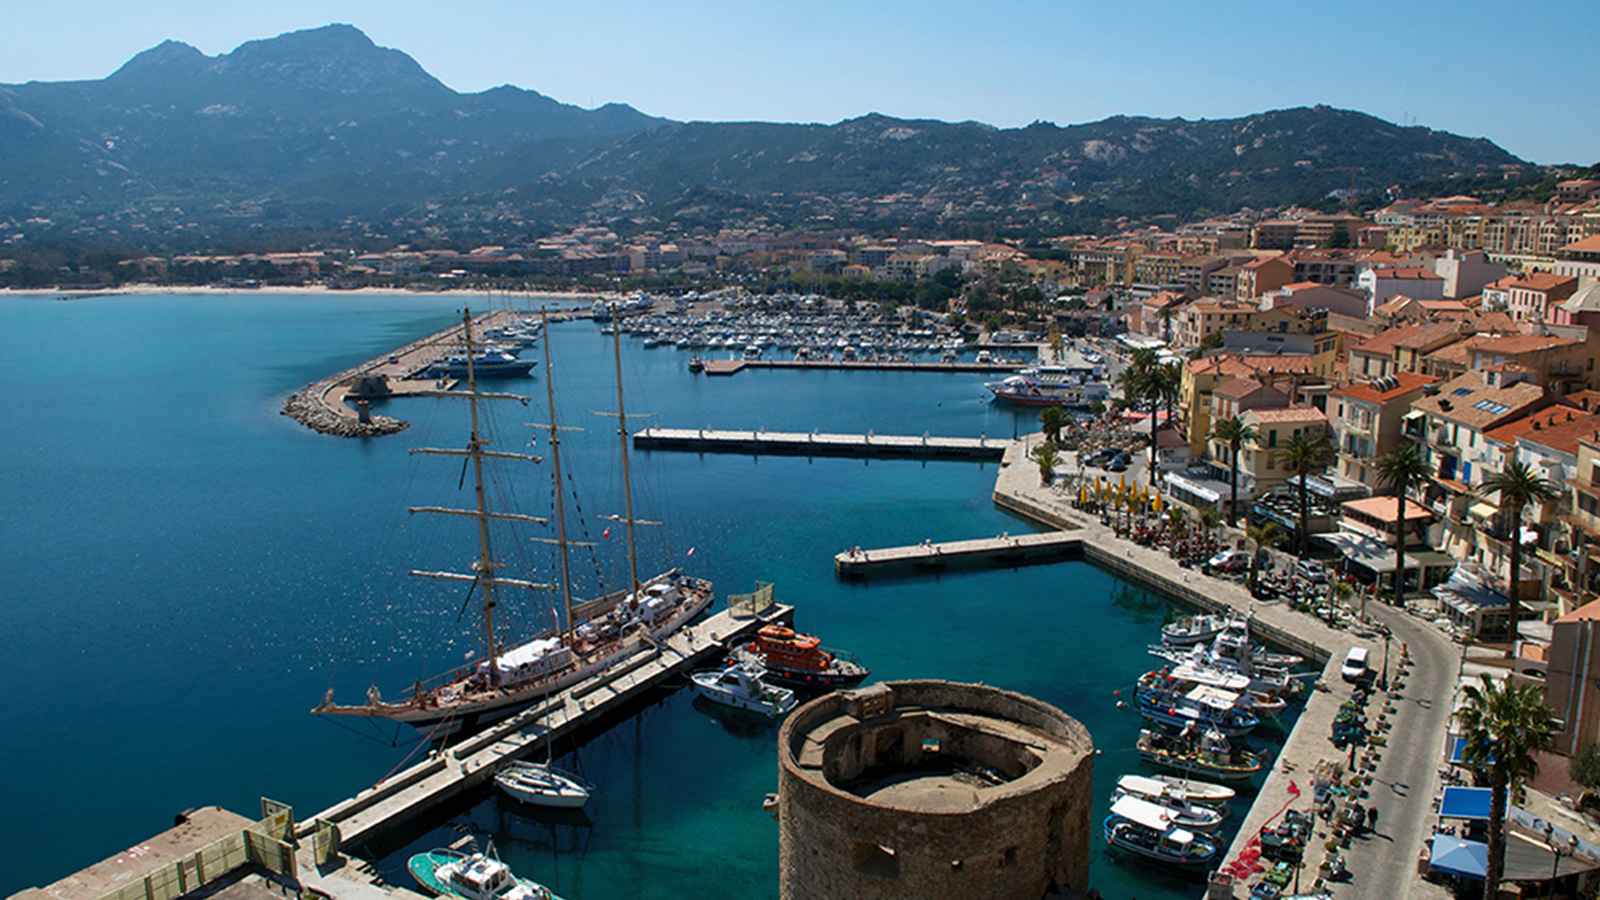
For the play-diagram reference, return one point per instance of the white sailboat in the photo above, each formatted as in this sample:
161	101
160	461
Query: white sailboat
594	636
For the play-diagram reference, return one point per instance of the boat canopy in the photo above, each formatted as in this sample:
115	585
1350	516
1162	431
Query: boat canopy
1139	784
1142	812
1213	697
1212	677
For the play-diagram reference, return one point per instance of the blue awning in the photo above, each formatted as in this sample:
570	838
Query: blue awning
1464	803
1463	859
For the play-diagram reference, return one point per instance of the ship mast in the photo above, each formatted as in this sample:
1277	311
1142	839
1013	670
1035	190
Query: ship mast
555	458
622	430
484	567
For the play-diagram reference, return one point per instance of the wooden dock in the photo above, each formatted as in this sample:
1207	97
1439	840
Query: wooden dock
1004	549
734	366
473	762
780	443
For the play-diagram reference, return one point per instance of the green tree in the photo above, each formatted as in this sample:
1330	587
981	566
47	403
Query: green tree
1210	519
1399	471
1260	537
1339	239
1518	485
1051	421
1503	726
1584	768
1048	457
1235	434
1166	314
1165	383
1057	344
1305	456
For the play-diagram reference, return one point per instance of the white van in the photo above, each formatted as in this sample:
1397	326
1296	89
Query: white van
1355	669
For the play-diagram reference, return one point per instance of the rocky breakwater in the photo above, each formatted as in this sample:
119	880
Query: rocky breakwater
317	408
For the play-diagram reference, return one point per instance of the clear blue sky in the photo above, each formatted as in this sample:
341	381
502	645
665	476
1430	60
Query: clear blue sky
1514	73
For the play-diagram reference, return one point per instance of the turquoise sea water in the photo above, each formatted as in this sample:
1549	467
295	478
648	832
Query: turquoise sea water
186	572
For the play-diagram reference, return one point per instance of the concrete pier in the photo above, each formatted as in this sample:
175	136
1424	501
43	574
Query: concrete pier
325	405
474	761
735	366
1005	549
882	446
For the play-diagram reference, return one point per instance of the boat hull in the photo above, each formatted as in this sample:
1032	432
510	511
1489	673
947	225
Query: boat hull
1124	835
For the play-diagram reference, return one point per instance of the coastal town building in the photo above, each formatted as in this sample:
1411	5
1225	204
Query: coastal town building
1366	421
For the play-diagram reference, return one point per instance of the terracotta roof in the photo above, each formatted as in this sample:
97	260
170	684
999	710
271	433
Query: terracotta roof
1408	273
1583	613
1432	336
1384	508
1404	382
1542	281
1445	306
1238	388
1234	365
1286	414
1586	400
1468	401
1385	341
1524	343
1556	427
1393	305
1590	244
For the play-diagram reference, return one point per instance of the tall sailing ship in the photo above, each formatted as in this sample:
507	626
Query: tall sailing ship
592	637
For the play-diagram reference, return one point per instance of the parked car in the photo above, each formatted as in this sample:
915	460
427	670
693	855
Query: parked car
1355	669
1100	457
1230	561
1119	464
1310	571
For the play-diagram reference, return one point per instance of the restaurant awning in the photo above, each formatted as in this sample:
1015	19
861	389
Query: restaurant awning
1463	859
1464	803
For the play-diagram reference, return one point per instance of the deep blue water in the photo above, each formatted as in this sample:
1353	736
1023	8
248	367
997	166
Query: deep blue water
186	572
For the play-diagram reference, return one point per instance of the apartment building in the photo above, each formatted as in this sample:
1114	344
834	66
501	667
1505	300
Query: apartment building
1366	418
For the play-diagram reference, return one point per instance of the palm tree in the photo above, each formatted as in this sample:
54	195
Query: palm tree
1047	456
1051	420
1261	537
1399	471
1305	455
1160	386
1503	727
1235	433
1166	314
1518	485
1209	519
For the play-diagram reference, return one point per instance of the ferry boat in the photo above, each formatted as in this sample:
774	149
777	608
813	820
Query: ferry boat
1050	386
1144	828
1205	753
472	876
799	660
742	688
596	635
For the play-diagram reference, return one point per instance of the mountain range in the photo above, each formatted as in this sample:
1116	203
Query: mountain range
322	129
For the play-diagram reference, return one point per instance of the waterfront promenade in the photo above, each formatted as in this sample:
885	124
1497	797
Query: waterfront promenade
1406	775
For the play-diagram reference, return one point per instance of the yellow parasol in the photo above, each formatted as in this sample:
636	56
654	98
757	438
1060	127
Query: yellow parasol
1155	503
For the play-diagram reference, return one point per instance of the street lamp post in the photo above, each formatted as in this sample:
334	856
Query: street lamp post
1386	635
1556	852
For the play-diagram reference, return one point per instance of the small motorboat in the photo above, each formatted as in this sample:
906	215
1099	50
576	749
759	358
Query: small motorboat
541	784
1146	829
1187	630
1182	812
696	364
1197	791
741	687
472	876
799	660
1207	753
1177	705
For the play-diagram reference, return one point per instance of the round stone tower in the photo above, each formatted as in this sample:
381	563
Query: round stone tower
931	789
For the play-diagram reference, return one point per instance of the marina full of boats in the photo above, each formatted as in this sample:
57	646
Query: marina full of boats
1218	686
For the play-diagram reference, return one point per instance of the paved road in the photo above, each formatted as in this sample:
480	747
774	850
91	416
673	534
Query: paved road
1407	776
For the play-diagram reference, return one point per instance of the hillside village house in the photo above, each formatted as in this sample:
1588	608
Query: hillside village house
1366	421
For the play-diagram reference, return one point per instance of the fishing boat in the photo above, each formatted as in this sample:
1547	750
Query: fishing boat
591	637
1189	630
1263	704
1271	680
1185	812
541	784
1167	702
742	687
1207	753
472	876
1197	791
800	660
696	365
1144	828
1234	643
